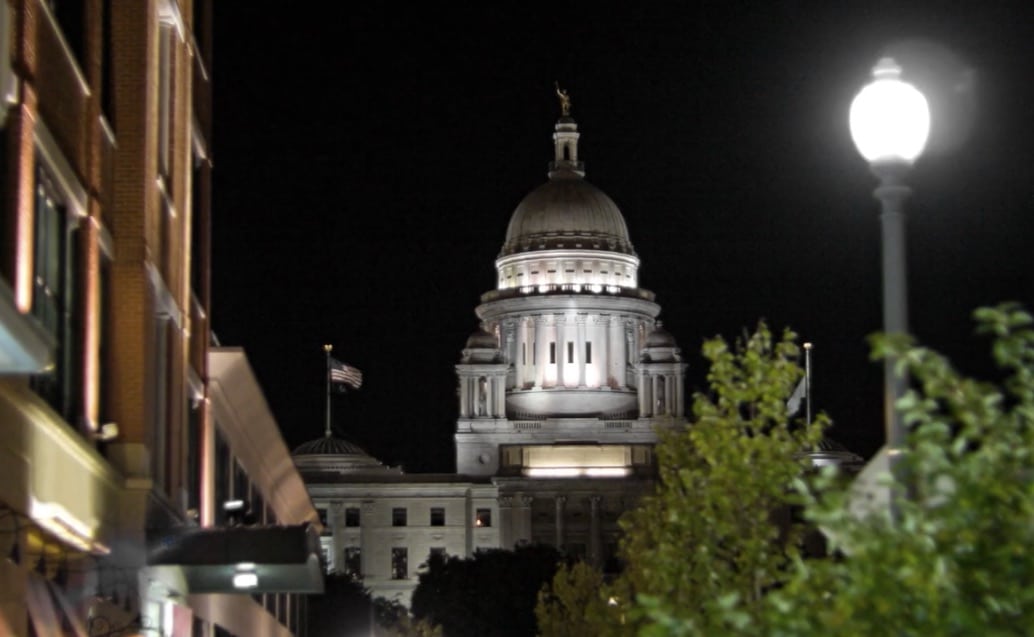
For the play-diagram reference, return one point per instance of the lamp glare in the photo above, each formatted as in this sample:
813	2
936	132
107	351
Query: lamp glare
889	118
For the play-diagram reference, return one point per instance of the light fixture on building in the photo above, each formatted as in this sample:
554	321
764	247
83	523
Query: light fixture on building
245	576
107	432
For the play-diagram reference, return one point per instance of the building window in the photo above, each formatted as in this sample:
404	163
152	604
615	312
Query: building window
534	353
398	516
352	564
352	516
483	517
552	353
438	552
570	352
53	296
588	353
324	520
399	563
524	353
437	516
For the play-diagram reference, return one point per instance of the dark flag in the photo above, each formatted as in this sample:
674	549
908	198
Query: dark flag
341	374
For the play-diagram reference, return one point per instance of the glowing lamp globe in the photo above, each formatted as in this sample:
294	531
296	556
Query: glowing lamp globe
890	118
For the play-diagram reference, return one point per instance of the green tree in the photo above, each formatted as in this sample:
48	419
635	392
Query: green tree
342	608
490	594
955	558
702	551
576	602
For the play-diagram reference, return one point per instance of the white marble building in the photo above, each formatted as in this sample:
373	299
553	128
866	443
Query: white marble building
561	394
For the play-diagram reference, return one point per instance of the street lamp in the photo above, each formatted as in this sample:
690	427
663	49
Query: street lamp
890	123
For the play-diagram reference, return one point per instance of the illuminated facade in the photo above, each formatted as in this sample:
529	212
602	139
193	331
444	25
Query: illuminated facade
564	388
110	436
561	393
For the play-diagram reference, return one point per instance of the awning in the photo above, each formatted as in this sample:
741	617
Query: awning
247	560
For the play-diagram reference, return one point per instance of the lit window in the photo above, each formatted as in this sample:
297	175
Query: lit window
398	517
352	516
399	563
483	517
437	516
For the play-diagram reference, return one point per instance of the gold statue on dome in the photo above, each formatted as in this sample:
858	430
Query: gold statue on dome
565	100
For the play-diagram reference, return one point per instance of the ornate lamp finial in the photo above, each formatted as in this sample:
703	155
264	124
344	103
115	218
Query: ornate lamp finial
565	100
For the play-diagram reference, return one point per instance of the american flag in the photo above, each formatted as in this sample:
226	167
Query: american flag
343	374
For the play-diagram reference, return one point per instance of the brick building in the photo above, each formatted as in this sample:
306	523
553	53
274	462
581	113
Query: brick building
111	439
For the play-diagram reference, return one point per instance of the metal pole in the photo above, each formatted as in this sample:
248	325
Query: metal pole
892	193
326	378
807	383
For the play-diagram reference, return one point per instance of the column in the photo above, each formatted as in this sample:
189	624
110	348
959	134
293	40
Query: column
561	504
595	538
522	519
561	348
500	399
617	326
541	350
366	539
506	535
601	348
645	394
522	354
580	347
464	401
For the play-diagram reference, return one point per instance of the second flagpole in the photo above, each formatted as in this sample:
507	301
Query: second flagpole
326	378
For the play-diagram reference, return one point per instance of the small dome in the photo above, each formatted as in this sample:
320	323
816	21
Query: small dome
481	340
660	337
328	446
567	213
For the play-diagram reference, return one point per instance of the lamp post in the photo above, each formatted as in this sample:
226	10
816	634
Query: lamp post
890	123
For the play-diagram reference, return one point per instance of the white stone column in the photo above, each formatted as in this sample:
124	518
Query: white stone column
580	347
506	531
561	503
366	540
541	351
645	395
561	349
521	359
464	403
616	345
595	536
601	346
522	515
500	399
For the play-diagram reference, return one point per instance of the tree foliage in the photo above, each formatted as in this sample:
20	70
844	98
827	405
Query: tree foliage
574	604
342	608
955	558
701	552
492	593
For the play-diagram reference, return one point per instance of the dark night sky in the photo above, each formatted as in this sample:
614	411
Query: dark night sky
368	160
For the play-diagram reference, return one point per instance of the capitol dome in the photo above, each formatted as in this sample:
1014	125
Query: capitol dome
567	212
567	235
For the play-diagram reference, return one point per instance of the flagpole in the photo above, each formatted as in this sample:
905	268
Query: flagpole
807	383
326	377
